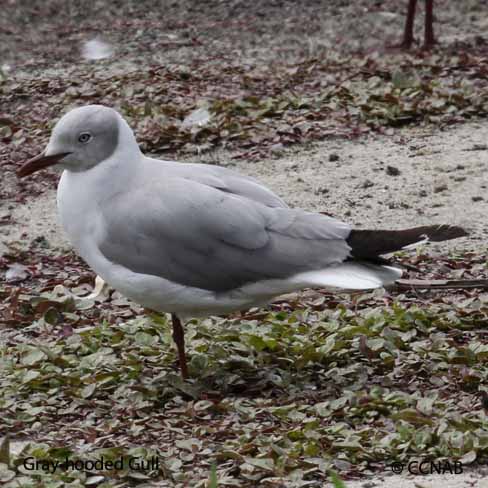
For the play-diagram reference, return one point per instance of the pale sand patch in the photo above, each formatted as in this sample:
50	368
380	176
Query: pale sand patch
470	478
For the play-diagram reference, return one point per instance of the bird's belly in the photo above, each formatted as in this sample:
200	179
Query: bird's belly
162	295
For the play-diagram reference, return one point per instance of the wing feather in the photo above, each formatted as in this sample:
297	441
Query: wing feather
200	236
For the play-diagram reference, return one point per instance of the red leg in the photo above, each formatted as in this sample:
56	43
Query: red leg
179	338
429	39
408	33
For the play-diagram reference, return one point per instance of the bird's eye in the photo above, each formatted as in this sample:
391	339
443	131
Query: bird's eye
84	137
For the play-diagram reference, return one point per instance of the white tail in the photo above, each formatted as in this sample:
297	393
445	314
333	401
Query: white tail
350	276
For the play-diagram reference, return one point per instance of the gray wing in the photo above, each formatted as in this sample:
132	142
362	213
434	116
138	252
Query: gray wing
223	179
196	235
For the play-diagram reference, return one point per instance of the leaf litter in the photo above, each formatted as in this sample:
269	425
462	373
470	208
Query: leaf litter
315	384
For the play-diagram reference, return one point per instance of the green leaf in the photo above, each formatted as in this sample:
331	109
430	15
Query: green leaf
336	481
33	356
261	463
6	474
213	481
5	450
88	390
468	458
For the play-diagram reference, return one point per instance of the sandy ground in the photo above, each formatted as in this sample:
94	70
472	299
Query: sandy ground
468	479
414	177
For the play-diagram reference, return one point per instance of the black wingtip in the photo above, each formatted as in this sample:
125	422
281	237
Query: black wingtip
368	244
445	232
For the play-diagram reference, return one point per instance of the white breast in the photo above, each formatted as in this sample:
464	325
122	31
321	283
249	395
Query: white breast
77	209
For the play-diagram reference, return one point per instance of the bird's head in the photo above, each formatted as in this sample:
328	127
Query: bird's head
82	138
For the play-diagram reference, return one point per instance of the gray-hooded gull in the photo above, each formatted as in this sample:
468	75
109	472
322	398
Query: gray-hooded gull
194	239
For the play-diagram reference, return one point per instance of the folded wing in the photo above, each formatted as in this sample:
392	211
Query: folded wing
198	235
